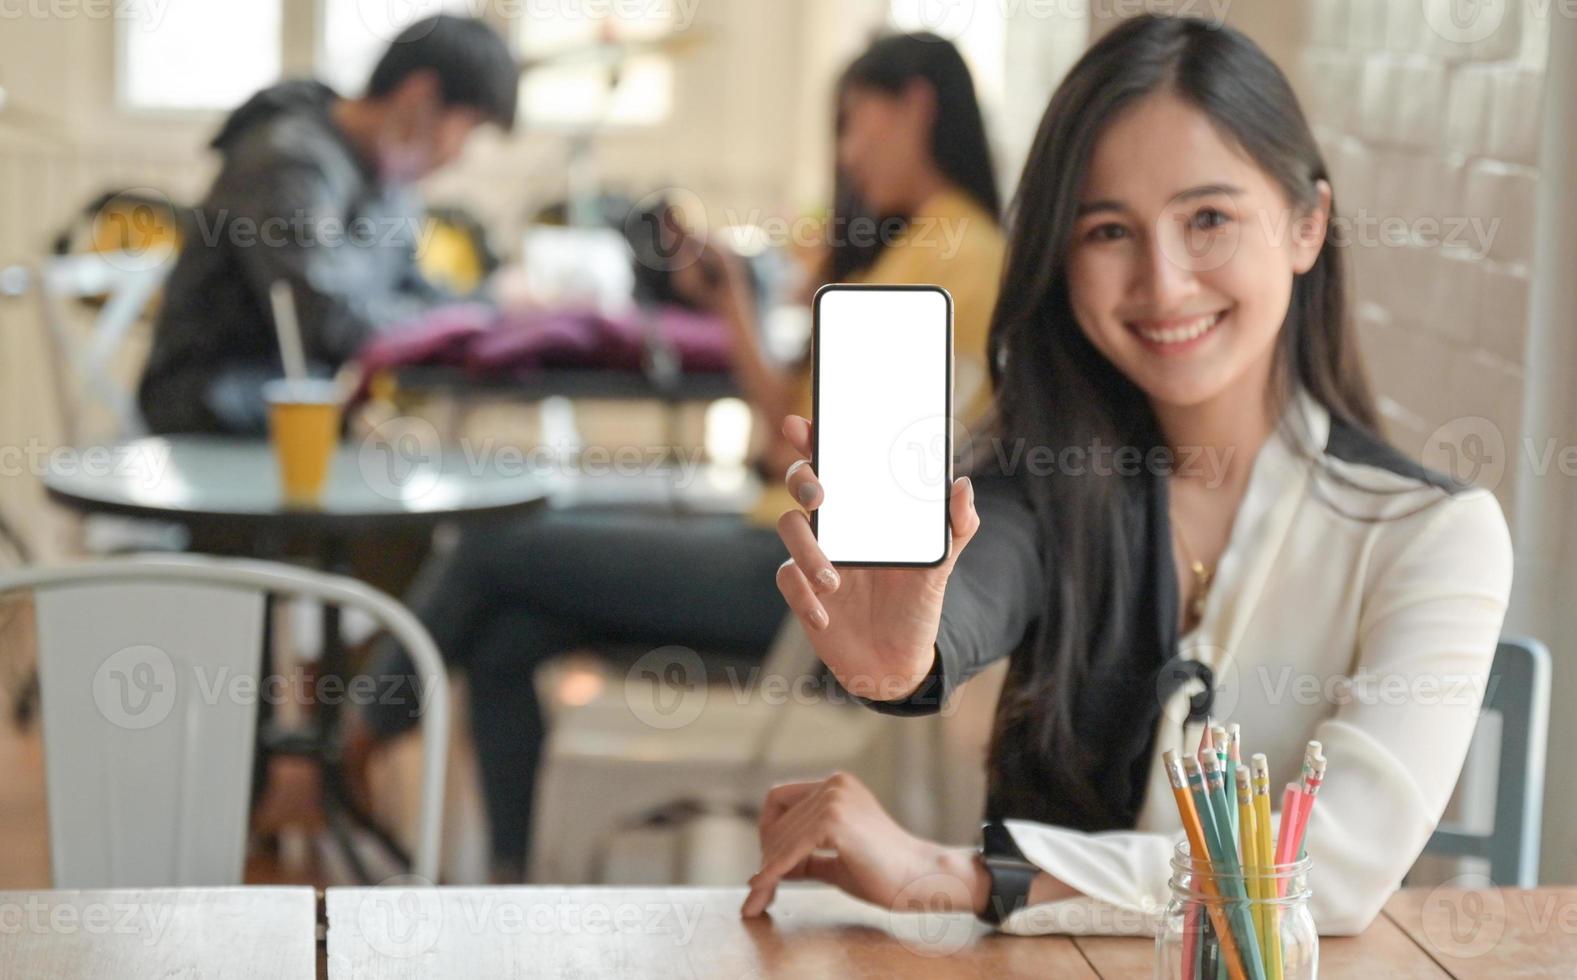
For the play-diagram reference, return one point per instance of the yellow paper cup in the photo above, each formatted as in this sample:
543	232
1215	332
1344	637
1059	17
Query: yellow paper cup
304	426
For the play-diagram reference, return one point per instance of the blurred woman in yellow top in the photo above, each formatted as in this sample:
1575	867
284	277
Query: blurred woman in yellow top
917	203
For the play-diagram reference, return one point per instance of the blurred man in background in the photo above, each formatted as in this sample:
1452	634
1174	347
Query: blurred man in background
316	191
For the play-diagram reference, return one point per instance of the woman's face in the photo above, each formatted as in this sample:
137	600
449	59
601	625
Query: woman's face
1183	254
883	142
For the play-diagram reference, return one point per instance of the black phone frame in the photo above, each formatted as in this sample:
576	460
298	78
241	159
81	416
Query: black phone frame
947	409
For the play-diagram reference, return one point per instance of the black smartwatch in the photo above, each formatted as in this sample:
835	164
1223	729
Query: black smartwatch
1011	873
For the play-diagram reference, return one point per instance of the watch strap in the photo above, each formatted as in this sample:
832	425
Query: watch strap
1010	871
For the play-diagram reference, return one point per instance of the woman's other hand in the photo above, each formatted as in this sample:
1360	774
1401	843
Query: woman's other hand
835	831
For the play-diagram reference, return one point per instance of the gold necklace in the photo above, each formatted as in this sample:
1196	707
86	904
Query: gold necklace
1203	576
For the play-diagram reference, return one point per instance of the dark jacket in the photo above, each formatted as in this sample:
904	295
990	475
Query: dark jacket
294	200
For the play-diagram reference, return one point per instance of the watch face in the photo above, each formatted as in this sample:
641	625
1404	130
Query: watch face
997	841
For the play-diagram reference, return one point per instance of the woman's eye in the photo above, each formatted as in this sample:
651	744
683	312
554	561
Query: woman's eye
1109	232
1207	218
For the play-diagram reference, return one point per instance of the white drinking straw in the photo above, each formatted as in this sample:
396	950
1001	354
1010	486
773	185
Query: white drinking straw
289	330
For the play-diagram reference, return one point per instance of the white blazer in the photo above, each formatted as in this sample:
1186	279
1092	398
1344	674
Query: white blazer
1374	636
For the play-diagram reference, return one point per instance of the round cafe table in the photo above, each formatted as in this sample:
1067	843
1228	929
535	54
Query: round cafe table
227	489
231	485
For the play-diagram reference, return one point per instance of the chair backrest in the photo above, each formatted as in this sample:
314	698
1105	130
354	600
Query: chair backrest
790	658
84	367
148	669
1519	691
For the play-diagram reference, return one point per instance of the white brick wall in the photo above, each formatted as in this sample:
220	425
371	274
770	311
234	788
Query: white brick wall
1422	116
1434	122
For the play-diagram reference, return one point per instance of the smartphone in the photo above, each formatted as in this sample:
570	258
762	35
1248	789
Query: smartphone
883	403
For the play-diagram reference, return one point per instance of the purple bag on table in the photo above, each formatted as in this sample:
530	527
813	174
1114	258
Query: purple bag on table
440	336
586	339
700	339
487	342
522	341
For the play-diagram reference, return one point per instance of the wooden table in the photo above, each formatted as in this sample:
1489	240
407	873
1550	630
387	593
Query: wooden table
392	934
211	933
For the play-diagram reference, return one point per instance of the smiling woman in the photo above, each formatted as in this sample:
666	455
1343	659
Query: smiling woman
1173	290
1171	256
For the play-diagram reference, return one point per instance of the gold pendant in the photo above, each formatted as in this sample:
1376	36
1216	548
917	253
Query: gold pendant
1202	577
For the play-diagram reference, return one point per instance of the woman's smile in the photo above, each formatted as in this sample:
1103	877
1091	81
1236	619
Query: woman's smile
1176	335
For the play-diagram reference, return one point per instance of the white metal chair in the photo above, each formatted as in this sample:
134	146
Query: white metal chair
83	367
149	672
629	761
82	364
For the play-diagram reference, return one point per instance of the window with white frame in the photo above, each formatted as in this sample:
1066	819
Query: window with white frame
589	65
196	54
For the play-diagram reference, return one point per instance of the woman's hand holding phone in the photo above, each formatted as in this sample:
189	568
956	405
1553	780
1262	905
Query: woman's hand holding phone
875	628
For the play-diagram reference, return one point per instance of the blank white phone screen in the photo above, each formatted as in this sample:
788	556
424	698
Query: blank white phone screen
882	398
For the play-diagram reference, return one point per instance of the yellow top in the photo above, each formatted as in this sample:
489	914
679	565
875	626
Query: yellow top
950	242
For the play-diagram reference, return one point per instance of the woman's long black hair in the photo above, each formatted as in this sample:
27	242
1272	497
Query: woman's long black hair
1054	389
958	140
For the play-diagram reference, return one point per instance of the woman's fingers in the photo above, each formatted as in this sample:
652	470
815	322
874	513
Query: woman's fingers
825	868
760	897
801	598
788	854
789	817
802	483
780	799
796	429
962	516
794	529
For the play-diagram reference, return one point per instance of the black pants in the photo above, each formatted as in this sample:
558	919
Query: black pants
508	598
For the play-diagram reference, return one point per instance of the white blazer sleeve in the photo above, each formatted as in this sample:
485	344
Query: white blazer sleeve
1430	620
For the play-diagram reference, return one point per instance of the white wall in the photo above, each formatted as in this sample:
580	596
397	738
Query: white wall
1546	501
1439	123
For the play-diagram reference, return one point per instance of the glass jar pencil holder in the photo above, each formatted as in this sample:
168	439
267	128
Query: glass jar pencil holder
1252	924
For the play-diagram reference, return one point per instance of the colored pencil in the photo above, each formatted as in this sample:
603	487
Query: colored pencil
1227	751
1215	792
1230	767
1270	932
1185	793
1310	788
1224	858
1289	815
1246	828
